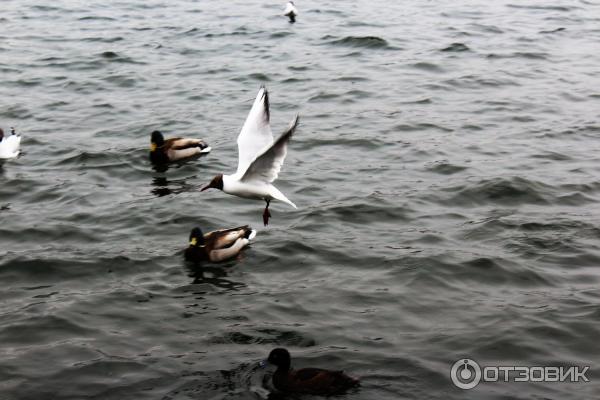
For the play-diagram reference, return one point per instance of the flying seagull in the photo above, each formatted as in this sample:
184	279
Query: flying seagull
259	158
291	11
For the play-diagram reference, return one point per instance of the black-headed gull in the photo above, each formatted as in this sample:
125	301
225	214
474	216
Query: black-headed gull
9	146
175	149
291	11
259	158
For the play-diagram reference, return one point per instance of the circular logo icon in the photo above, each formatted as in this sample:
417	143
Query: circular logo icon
465	374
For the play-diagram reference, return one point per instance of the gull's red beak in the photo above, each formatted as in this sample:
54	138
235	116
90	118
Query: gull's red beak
205	187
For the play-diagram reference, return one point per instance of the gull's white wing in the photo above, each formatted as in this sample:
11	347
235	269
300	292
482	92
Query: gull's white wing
9	147
266	166
256	133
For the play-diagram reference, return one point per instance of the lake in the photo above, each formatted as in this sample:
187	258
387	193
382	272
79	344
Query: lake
446	171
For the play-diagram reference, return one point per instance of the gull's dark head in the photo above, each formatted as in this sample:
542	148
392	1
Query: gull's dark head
196	237
216	183
156	140
280	357
1	134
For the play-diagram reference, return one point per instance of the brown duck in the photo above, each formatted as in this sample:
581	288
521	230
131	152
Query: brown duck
307	380
175	149
218	245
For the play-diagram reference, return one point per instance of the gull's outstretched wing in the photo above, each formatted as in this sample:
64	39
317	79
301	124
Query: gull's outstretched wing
266	166
256	133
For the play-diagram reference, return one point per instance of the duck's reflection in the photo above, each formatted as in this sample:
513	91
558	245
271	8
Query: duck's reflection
164	167
213	276
160	168
164	187
161	187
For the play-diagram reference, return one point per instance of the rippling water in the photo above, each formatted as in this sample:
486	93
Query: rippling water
446	171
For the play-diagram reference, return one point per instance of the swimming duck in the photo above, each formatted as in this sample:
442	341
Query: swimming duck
175	149
218	245
9	146
291	11
259	158
307	380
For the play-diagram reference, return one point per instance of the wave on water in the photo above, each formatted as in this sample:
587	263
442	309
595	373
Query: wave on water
506	191
520	54
47	8
104	39
116	57
280	34
542	7
256	76
554	30
427	66
487	28
456	47
445	168
519	191
270	336
370	42
477	82
96	18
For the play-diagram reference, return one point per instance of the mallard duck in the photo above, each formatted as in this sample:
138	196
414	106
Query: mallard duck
307	380
219	245
175	149
259	158
9	145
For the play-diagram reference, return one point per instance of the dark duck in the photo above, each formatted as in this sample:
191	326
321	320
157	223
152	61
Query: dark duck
314	381
164	151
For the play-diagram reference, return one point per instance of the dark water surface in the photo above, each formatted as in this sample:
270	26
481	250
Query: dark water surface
446	169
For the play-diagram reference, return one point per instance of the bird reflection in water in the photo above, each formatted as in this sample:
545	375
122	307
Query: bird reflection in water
164	167
161	186
161	168
215	276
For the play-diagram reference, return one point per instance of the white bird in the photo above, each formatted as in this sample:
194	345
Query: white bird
291	11
259	158
9	146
